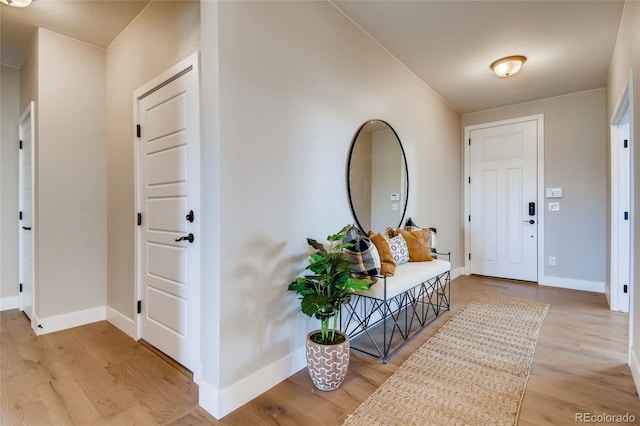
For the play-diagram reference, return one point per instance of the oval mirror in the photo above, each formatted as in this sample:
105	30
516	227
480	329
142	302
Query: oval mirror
377	177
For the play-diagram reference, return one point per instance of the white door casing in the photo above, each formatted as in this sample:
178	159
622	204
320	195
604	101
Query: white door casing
503	176
26	185
168	188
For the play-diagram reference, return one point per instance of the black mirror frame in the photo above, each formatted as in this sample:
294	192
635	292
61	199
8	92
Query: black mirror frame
348	177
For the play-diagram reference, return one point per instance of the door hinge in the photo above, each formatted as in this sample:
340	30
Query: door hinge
469	218
626	143
21	288
469	179
625	288
19	215
138	132
626	215
139	219
469	256
139	306
20	144
469	141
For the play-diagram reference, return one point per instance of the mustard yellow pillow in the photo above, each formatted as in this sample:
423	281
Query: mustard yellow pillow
418	243
387	265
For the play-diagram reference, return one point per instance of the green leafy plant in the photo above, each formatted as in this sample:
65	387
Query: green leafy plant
323	292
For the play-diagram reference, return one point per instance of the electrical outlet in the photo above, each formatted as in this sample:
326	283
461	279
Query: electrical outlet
552	261
554	207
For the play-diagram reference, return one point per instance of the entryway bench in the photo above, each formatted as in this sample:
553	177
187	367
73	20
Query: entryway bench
394	309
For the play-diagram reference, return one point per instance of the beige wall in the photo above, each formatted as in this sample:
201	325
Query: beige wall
291	95
9	121
71	222
626	56
29	76
575	160
163	34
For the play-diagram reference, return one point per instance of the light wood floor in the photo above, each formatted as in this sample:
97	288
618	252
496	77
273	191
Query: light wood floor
96	375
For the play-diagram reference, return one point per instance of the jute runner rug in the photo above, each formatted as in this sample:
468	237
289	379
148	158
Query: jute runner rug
473	371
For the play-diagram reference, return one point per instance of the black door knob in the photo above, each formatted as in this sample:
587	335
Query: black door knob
186	238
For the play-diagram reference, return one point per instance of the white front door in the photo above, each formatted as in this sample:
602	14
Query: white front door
169	203
26	193
503	212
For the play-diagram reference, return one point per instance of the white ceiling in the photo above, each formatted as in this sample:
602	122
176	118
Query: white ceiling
97	22
448	44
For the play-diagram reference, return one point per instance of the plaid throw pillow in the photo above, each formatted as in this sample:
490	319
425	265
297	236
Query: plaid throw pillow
410	225
364	256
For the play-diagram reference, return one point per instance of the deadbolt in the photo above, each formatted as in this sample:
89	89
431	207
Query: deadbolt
190	216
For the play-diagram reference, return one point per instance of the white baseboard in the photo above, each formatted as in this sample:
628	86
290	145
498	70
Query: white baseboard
73	319
219	403
11	302
126	325
634	364
572	284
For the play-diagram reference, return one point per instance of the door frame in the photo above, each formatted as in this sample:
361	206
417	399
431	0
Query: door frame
620	119
539	119
28	114
189	64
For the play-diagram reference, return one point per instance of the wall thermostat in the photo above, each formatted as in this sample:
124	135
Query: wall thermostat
553	192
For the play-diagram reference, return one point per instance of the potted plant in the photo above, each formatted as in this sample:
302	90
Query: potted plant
322	294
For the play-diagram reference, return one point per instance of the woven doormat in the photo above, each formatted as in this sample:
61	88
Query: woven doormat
473	371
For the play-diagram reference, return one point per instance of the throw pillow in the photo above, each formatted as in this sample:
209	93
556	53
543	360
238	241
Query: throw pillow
399	249
364	257
410	225
387	264
418	243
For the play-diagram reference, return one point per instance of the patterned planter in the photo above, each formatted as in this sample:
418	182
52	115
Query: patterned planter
327	364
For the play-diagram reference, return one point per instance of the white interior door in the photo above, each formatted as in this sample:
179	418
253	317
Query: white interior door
503	225
26	197
620	210
169	187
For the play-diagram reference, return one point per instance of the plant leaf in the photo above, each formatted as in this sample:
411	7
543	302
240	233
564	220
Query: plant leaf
312	303
316	245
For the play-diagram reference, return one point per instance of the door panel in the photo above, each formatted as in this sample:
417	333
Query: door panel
503	170
489	217
168	167
169	188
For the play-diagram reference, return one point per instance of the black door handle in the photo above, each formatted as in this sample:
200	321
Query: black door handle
186	238
26	228
531	221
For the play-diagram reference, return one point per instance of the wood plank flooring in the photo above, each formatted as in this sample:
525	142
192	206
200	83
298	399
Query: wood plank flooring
97	375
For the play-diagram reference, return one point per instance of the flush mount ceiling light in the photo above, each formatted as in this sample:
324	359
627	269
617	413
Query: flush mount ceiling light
506	67
16	3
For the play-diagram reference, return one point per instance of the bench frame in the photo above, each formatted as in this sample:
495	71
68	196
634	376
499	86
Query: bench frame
414	308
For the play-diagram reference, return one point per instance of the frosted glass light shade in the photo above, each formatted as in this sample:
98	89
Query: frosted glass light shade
17	3
508	66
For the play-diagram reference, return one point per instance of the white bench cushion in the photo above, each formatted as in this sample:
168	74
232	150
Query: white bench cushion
407	276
